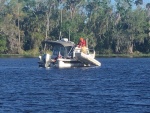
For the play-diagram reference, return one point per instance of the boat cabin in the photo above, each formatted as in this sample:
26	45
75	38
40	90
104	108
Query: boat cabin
63	48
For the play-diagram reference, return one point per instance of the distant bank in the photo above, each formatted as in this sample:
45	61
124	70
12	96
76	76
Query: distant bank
97	55
123	55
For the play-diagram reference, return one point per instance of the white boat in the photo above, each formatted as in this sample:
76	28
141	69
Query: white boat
66	54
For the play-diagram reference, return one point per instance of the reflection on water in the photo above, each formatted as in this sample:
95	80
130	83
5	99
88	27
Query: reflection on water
120	85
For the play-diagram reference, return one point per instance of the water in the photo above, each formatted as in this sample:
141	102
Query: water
120	85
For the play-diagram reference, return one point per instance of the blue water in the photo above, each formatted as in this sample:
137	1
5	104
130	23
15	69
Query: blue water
120	85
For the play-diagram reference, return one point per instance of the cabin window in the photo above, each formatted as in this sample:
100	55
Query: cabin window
58	49
62	51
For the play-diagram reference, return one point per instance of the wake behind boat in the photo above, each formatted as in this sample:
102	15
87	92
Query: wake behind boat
66	54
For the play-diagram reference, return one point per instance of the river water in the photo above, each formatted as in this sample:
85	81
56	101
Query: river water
120	85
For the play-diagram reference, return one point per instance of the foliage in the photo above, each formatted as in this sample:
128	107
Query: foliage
3	47
123	27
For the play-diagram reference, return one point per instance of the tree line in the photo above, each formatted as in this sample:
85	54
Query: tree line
119	27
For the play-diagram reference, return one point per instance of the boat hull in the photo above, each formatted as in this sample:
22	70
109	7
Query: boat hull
67	63
62	63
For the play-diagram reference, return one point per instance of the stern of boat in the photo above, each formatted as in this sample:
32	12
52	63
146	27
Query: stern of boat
44	60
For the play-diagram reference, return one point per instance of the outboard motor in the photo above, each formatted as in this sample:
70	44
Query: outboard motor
46	59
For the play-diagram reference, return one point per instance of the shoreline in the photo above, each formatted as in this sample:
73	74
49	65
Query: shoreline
17	56
97	55
123	55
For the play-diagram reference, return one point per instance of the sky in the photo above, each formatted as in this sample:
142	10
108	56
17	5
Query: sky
144	2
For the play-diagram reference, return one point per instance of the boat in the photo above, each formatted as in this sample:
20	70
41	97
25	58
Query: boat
66	54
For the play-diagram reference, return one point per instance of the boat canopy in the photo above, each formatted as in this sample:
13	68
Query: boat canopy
59	42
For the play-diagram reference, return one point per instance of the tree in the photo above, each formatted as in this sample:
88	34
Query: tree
24	24
99	18
148	14
123	41
138	2
3	42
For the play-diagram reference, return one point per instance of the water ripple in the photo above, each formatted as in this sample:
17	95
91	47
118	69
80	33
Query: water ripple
120	85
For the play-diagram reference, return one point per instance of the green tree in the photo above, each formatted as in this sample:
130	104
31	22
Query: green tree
99	14
3	42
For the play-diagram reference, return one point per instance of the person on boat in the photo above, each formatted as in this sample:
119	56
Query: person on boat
58	56
81	42
82	45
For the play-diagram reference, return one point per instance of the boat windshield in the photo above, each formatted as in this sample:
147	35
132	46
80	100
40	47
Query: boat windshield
64	51
58	49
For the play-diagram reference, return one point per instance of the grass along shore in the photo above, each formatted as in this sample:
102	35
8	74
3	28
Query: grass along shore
124	55
97	55
16	55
